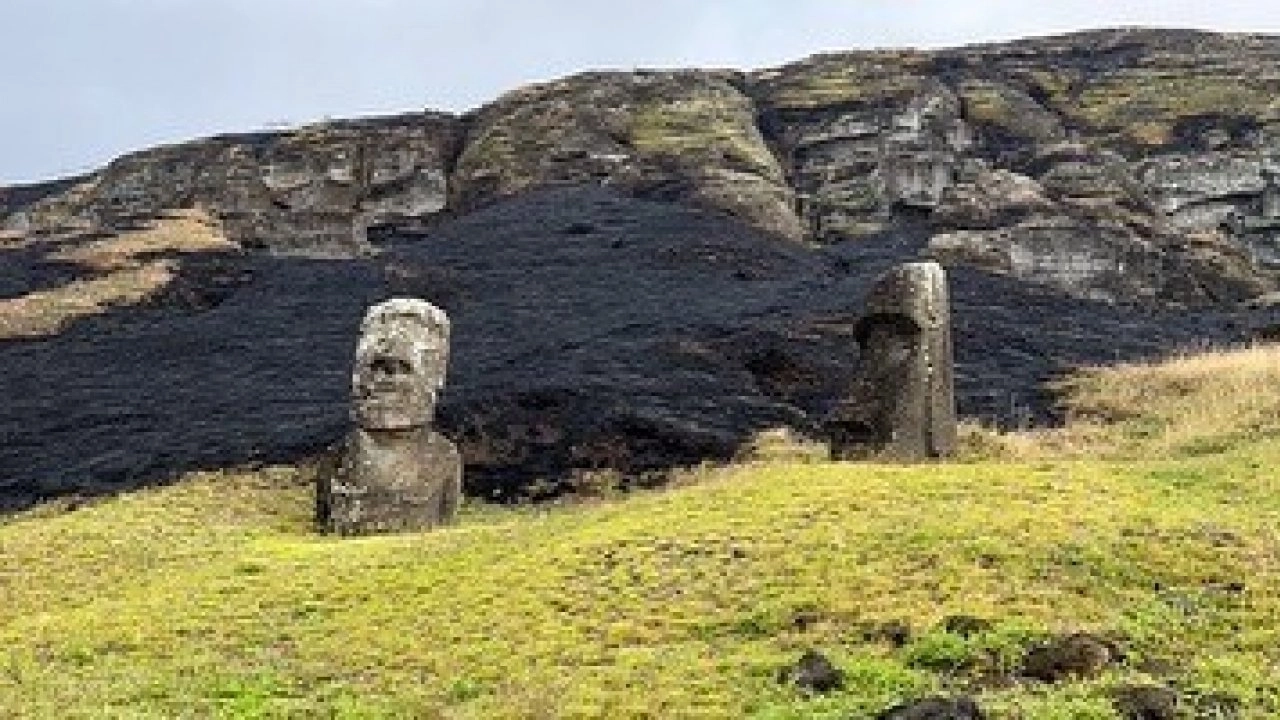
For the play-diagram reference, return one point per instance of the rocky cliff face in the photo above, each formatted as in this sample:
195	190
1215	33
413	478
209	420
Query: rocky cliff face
1103	163
1115	164
312	190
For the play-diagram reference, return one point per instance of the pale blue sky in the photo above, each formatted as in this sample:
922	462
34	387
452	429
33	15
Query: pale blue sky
86	80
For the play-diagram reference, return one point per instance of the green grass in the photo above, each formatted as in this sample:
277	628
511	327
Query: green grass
214	598
838	79
710	125
1146	106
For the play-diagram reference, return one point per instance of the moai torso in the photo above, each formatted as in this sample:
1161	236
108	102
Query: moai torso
903	404
396	473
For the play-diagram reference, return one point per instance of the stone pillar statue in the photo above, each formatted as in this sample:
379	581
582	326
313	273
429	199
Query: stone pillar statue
903	404
1271	193
395	473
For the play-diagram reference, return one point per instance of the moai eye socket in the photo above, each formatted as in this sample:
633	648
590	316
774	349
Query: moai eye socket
385	365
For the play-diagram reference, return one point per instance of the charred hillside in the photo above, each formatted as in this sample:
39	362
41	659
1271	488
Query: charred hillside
644	268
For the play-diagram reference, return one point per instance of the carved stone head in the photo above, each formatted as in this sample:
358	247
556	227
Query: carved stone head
400	365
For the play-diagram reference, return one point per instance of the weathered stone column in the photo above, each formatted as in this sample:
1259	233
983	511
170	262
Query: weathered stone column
903	405
1271	193
395	473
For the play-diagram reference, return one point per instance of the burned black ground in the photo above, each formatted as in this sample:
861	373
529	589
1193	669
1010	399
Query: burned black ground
591	331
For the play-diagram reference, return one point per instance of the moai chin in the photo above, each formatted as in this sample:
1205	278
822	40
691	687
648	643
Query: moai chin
395	474
903	404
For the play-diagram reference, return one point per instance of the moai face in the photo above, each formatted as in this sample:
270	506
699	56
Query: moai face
894	340
400	365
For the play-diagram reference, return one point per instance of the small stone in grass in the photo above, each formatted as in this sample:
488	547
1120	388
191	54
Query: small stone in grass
1077	656
814	673
1146	702
936	708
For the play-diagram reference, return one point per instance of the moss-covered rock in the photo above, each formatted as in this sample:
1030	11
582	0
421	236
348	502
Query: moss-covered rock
1133	89
685	136
844	79
1006	114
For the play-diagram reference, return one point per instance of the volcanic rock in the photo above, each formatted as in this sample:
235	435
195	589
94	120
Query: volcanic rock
939	708
813	672
1079	656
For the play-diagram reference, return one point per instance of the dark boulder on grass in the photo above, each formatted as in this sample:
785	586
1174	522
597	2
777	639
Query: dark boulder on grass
937	708
1147	702
1078	656
814	673
894	632
966	626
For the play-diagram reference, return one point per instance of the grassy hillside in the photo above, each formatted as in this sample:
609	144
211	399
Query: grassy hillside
213	598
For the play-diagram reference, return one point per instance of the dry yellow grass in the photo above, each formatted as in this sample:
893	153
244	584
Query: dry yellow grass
1190	404
126	271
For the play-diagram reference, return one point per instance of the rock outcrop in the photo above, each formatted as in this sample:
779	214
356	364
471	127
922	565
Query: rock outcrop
865	136
313	190
1103	163
689	136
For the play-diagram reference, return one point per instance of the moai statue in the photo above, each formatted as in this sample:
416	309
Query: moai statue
1271	193
903	404
395	473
